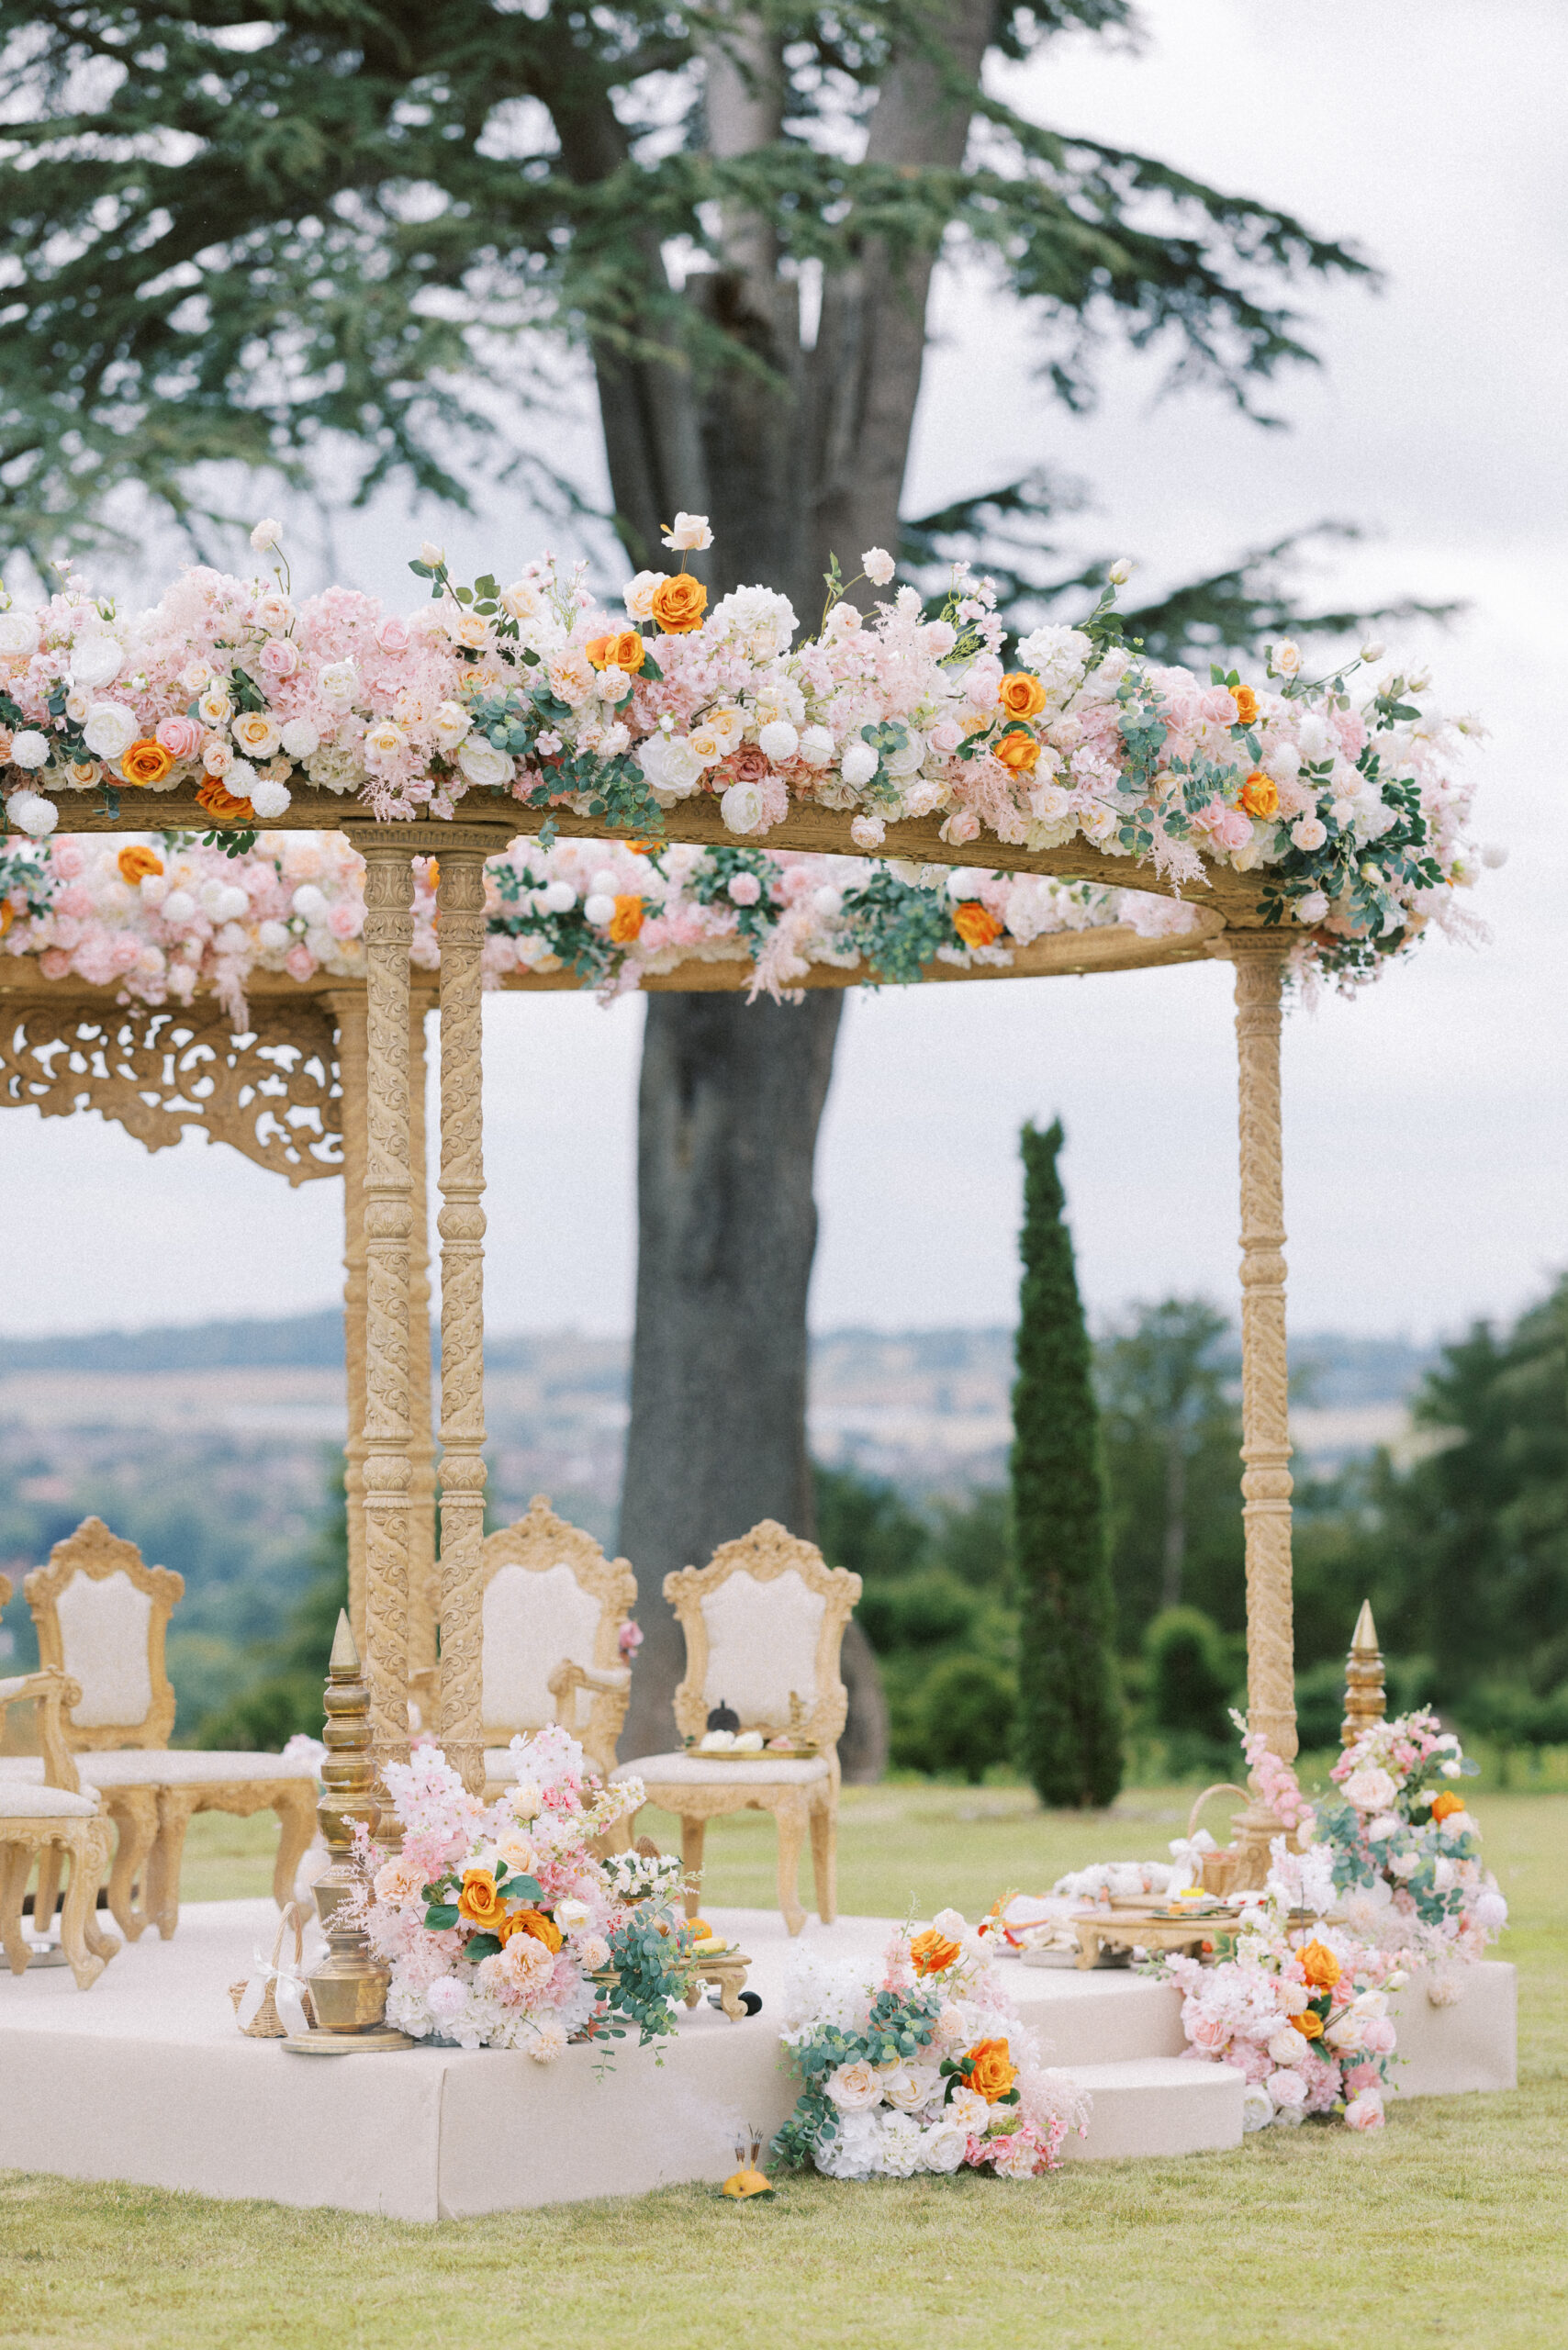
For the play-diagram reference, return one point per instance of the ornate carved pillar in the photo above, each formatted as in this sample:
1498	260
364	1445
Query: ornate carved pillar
461	903
422	1584
348	1006
388	930
1259	957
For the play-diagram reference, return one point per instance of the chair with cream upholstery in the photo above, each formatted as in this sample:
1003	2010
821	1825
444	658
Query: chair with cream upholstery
550	1618
102	1617
764	1624
48	1819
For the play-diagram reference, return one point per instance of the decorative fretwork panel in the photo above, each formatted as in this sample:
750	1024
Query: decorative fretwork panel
272	1093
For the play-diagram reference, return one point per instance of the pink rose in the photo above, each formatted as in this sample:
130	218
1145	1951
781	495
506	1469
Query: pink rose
68	860
1364	2112
1207	2033
960	827
180	736
393	635
346	921
280	656
1218	706
1379	2036
299	962
75	903
946	736
1362	2077
53	963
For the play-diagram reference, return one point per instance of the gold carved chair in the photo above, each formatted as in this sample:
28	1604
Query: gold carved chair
102	1617
764	1624
48	1819
550	1617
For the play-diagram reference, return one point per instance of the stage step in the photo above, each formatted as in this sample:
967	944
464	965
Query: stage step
1156	2105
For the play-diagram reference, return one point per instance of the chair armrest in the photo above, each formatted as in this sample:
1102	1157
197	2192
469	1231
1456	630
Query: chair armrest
7	1590
604	1680
53	1690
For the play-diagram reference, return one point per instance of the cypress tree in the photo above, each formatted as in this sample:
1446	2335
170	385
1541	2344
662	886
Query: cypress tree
1069	1703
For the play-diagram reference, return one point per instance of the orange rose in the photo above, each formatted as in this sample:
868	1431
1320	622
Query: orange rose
1259	796
135	864
222	804
1319	1965
1246	702
146	761
1022	694
479	1902
1019	753
533	1921
7	915
626	921
931	1951
624	650
975	924
1447	1804
991	2071
678	603
1309	2025
433	874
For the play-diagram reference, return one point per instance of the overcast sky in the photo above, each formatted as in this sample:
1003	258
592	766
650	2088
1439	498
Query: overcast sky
1424	1121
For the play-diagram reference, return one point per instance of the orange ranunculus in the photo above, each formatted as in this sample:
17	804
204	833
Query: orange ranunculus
1020	754
1246	702
1309	2024
678	603
990	2070
136	864
623	650
1021	695
146	761
930	1953
975	924
544	1929
1259	796
1446	1804
7	915
221	803
1319	1965
479	1902
626	921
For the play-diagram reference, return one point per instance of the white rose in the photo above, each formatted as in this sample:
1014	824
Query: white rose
858	764
382	741
909	2087
1386	1824
689	532
452	723
1257	2106
969	2112
854	2088
214	708
484	765
1285	658
30	749
1120	571
879	565
432	555
599	909
299	738
1370	1790
1313	908
670	763
1287	2088
816	746
266	536
339	683
943	2147
639	592
269	799
256	734
36	815
179	906
778	740
1375	649
110	730
571	1916
1285	2045
18	636
95	660
868	832
742	807
950	1922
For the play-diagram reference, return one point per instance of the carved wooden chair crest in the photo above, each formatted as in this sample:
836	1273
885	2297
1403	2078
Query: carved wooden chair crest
552	1610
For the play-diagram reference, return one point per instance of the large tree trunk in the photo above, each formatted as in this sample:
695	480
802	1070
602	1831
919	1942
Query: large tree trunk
730	1101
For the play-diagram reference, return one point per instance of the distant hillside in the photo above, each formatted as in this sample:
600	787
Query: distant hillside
302	1341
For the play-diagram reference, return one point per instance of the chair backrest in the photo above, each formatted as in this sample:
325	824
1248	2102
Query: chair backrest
102	1617
550	1595
764	1621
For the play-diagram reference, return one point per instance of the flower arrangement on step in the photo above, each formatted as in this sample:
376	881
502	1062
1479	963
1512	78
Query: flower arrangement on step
162	915
920	2066
500	1926
1342	794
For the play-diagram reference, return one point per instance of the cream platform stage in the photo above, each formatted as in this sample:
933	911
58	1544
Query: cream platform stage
147	2079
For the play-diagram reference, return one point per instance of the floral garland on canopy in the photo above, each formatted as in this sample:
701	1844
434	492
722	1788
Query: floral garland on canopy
921	2064
501	1927
162	915
1343	797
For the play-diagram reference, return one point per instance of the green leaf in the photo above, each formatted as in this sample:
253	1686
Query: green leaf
440	1915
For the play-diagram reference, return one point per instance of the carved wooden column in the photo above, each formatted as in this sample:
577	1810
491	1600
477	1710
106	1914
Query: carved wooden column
348	1006
422	1584
388	931
461	905
1259	957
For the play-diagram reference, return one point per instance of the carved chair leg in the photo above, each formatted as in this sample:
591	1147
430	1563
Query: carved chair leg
692	1834
135	1814
296	1809
789	1811
89	1849
824	1855
162	1899
45	1892
15	1865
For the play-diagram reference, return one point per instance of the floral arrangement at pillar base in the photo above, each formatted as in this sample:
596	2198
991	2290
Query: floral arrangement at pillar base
501	1927
920	2066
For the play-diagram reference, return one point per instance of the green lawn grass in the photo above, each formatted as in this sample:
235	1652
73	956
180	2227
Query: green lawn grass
1449	2229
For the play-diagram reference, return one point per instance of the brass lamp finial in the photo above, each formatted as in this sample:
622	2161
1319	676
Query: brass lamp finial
1365	1697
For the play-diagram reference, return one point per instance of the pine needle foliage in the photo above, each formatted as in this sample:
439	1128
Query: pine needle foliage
1069	1702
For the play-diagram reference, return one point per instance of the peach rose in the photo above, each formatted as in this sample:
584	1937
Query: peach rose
1021	694
931	1952
136	864
479	1902
1319	1965
1260	795
627	920
991	2071
1019	753
147	761
623	650
678	603
975	924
